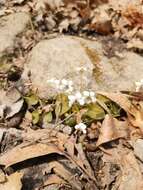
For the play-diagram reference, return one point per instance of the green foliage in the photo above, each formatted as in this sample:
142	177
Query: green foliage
61	111
94	111
35	116
61	105
32	100
71	121
114	109
103	98
48	117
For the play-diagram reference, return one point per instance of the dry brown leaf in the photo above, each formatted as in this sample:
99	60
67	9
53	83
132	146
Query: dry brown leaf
2	177
134	15
82	161
54	179
138	148
60	170
13	182
79	158
120	99
112	129
104	27
135	43
48	135
136	119
131	175
26	151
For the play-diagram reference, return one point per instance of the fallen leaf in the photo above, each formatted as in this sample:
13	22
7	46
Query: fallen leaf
138	148
13	182
54	179
119	98
60	170
26	151
131	175
2	177
10	103
112	129
79	158
14	108
135	43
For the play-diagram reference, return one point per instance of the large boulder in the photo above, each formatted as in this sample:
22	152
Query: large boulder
59	58
10	27
83	62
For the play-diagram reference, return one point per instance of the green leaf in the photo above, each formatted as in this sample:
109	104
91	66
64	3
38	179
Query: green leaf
62	105
47	117
71	121
32	100
102	98
35	116
114	108
94	112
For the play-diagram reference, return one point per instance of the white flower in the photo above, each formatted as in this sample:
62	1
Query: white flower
78	95
81	101
82	127
86	93
70	83
71	99
92	94
57	82
64	82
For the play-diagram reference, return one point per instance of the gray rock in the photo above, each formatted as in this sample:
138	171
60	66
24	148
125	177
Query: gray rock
62	57
10	27
59	58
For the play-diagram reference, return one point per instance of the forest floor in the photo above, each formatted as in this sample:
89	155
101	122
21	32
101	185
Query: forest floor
69	119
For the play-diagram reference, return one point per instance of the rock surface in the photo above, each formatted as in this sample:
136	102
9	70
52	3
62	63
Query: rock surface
59	58
83	62
10	27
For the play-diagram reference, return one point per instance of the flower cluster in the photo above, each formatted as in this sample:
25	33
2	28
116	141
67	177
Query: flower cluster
82	127
139	85
82	97
73	95
62	85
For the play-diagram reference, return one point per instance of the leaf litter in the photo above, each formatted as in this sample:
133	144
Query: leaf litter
36	153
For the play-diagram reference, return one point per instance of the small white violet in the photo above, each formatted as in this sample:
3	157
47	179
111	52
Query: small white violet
82	127
70	82
71	99
81	101
78	95
57	82
86	93
92	94
64	82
